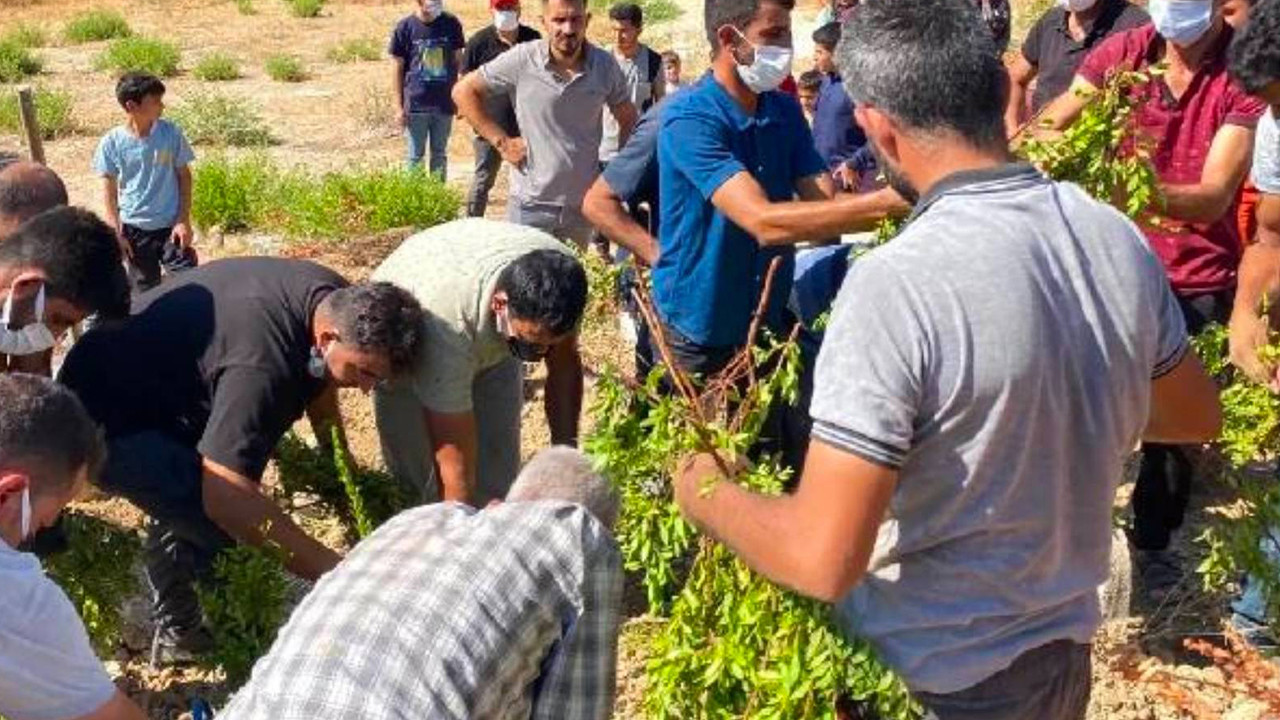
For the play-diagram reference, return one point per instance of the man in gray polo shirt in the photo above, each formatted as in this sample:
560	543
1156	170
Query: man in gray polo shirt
982	379
559	86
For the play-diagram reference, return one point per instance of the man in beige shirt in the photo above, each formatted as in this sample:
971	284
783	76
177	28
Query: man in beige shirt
495	294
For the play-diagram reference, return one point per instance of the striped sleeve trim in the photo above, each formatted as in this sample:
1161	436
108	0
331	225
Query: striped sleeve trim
1167	365
869	449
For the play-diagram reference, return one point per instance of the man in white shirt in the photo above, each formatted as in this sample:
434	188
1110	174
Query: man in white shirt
49	450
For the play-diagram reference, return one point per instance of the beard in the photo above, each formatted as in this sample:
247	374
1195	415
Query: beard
894	177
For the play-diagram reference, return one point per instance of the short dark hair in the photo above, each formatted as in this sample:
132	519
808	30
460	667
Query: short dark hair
931	64
828	36
810	80
134	87
7	158
1254	55
548	287
28	189
79	256
735	13
45	431
379	317
627	13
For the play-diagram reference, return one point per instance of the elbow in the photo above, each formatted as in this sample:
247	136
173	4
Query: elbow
830	585
594	205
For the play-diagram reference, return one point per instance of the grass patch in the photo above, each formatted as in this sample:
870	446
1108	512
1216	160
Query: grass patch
285	68
356	50
215	119
305	8
253	193
53	113
17	62
246	7
655	11
94	25
25	35
140	54
218	67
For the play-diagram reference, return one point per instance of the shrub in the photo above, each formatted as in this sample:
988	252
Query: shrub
363	49
285	68
362	498
213	119
25	35
655	11
96	571
217	67
93	25
305	8
16	62
246	7
53	113
231	194
244	607
140	54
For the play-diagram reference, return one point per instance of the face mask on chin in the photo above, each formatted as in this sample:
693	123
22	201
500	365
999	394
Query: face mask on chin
523	350
30	339
1181	22
771	66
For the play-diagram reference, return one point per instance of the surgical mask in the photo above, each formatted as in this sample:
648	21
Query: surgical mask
317	367
29	340
521	349
771	66
1181	22
506	20
26	514
1076	6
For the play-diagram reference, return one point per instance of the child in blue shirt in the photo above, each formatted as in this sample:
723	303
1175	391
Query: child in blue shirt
144	164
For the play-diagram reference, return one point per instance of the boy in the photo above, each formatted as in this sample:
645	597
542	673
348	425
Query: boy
810	85
144	164
426	51
671	79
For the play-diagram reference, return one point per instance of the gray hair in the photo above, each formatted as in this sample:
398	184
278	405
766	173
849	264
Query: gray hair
932	65
563	473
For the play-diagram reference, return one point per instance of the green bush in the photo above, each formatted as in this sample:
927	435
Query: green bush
217	67
231	194
244	606
16	62
25	35
140	54
285	68
93	25
305	8
246	7
53	113
655	11
214	119
362	498
363	49
96	572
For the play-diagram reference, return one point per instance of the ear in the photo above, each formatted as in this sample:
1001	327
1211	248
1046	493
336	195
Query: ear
727	37
880	129
27	283
13	482
329	335
498	302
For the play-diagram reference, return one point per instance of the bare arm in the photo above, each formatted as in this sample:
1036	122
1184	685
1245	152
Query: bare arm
111	200
238	506
1184	405
453	437
1021	73
468	95
397	89
563	399
786	223
1259	286
816	187
324	416
1224	170
605	210
119	707
816	541
184	194
627	116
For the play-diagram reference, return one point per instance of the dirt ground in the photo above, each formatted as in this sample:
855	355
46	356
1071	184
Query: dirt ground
340	117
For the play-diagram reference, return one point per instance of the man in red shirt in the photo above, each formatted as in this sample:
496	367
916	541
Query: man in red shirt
1200	124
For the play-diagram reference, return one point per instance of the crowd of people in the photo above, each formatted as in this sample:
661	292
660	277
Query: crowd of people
966	409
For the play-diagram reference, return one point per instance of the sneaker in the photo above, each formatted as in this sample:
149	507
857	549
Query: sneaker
173	647
1159	572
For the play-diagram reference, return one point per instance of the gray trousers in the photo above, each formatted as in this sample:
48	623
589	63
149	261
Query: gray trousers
496	394
564	222
1051	682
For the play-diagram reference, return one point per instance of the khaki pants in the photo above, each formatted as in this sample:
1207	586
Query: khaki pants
407	449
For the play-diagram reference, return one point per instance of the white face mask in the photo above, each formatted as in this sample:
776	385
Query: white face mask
772	65
29	340
506	20
1181	22
1076	6
317	364
26	514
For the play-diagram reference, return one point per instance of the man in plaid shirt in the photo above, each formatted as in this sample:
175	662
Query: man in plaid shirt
452	612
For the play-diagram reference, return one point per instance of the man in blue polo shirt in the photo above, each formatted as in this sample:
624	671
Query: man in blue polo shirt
733	156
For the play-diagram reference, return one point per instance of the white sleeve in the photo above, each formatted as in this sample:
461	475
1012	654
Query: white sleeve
48	670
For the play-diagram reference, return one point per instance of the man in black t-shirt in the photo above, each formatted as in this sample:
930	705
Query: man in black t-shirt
505	33
197	387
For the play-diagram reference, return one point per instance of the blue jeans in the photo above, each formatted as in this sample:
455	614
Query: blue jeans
1252	603
433	127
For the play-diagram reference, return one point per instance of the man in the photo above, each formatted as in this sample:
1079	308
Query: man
195	390
26	190
641	66
448	611
55	270
839	141
1201	124
732	156
49	451
506	32
1255	63
970	418
559	86
426	51
1056	46
495	294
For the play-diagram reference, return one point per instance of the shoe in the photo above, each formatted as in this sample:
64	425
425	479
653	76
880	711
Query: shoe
173	647
1159	572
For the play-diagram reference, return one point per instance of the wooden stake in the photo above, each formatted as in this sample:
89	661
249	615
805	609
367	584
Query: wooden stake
30	124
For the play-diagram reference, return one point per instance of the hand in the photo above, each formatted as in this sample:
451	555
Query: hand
126	250
402	119
181	235
513	150
847	177
1248	333
699	471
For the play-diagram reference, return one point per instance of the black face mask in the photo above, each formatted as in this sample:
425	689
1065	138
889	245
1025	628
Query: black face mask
527	351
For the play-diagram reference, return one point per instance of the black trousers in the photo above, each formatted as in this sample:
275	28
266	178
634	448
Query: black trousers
1163	489
488	163
153	250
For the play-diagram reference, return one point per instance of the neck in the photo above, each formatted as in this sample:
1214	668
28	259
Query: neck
629	54
138	128
935	162
726	74
509	35
1194	55
424	17
1086	17
568	62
